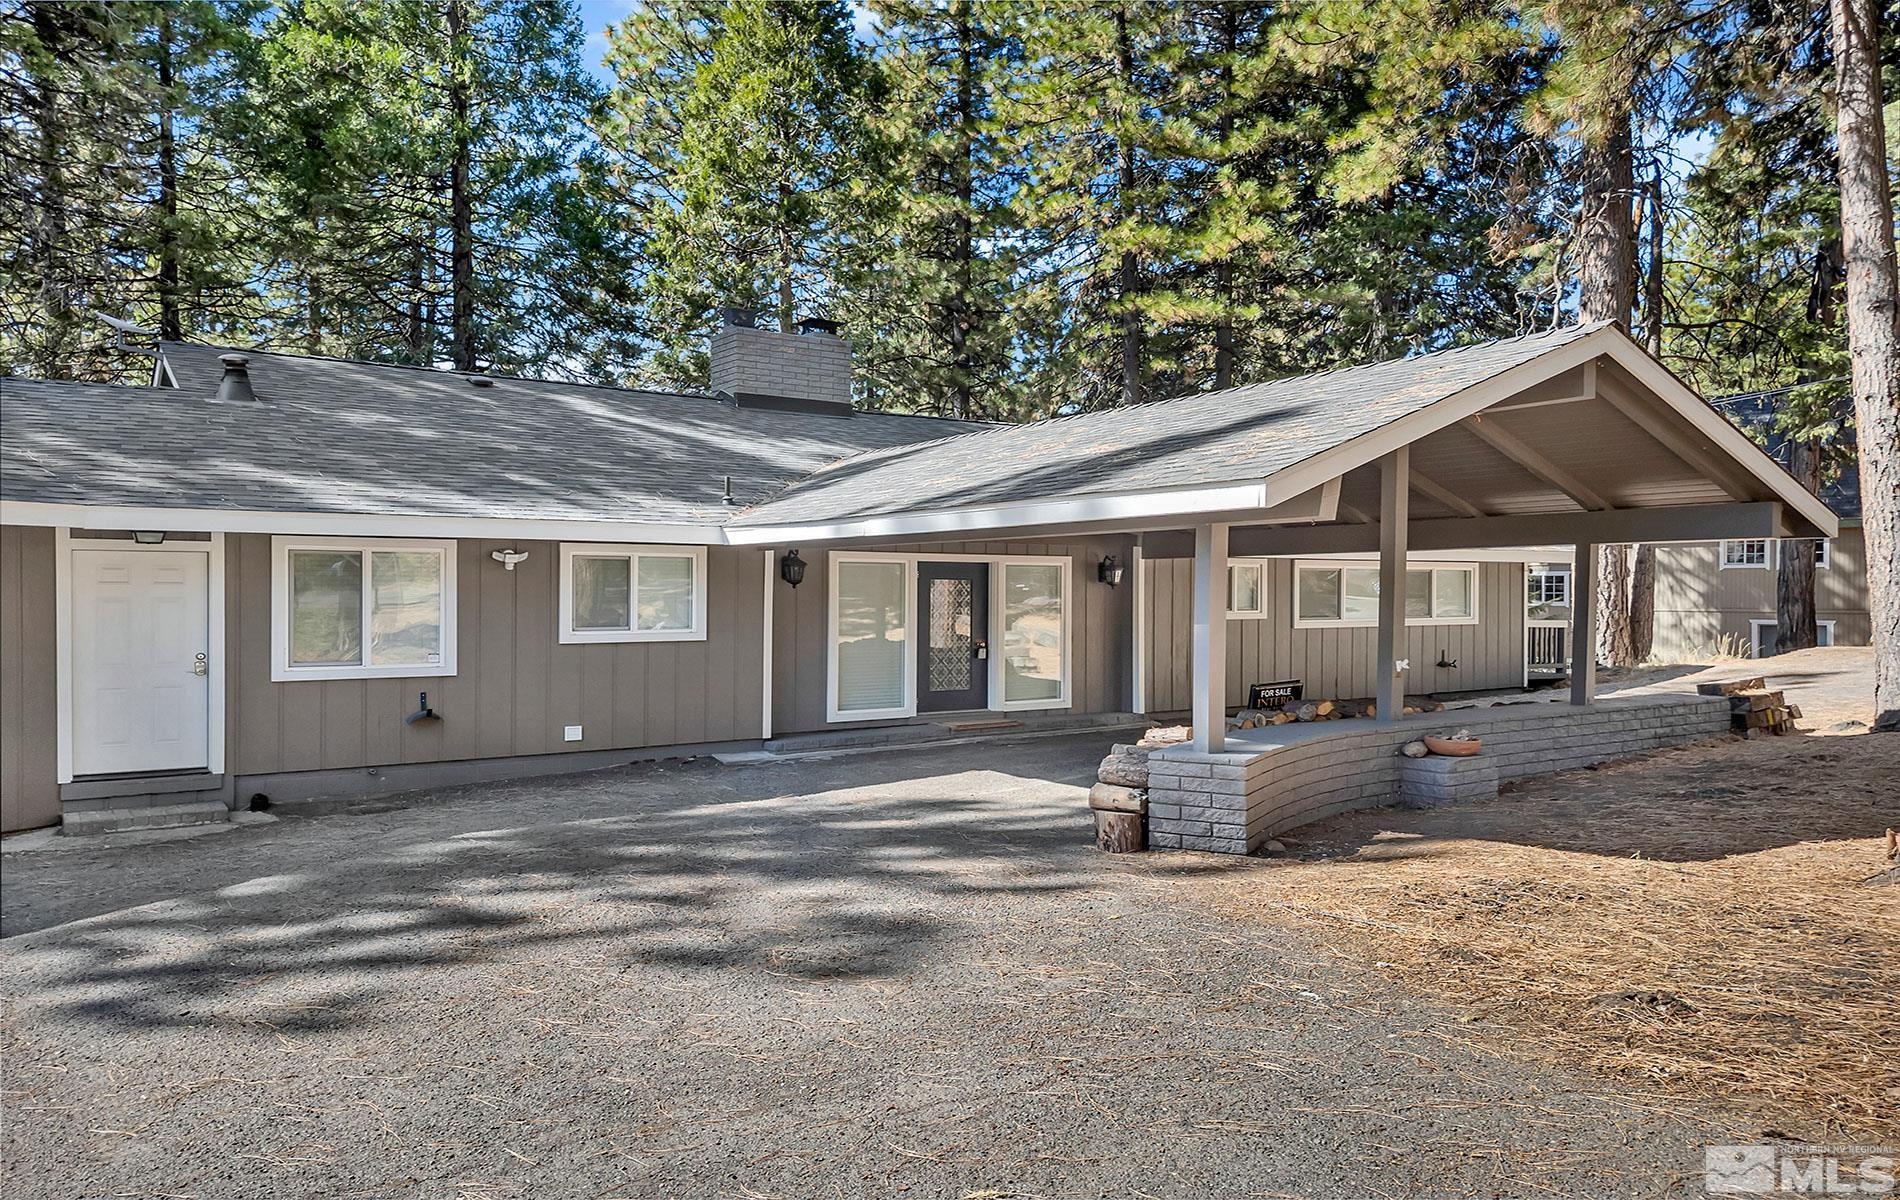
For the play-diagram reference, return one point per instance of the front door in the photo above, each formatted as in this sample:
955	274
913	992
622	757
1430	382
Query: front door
953	670
141	653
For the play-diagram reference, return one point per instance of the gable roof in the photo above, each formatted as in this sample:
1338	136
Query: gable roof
1244	433
1241	452
332	436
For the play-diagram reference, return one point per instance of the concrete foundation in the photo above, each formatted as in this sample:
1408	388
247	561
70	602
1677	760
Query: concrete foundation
1284	776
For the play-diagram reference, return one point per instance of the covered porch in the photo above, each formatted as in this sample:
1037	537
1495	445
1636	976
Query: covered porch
1576	438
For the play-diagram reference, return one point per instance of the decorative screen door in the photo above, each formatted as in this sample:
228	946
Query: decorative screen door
953	614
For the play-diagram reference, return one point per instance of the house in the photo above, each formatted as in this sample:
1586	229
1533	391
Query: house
1723	594
279	576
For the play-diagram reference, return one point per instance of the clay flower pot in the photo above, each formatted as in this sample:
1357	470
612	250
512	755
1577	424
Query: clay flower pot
1452	749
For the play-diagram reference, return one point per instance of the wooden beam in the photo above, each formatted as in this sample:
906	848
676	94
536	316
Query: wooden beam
1685	523
1659	426
1395	501
1513	448
1210	638
1352	514
1583	625
1444	495
1538	403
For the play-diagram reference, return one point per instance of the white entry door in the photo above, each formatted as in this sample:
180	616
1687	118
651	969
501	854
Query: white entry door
141	660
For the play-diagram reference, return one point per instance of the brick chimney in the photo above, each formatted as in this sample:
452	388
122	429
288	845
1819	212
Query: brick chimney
807	371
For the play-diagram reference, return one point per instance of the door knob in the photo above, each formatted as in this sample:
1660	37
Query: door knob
200	665
982	649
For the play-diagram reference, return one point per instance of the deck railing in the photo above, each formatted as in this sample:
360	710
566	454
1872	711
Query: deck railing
1548	647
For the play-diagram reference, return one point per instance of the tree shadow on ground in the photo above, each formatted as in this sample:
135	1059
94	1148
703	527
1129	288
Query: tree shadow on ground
842	869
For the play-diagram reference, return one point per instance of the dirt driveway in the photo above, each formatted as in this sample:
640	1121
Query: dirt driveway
896	974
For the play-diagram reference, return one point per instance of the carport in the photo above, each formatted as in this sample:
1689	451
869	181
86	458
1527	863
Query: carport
1574	437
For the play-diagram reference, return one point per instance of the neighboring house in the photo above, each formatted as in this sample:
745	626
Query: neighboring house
287	576
1723	595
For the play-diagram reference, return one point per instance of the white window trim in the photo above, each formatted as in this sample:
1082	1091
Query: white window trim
571	550
1757	624
1248	614
997	564
1361	564
997	591
1767	556
1568	578
1824	557
282	671
836	559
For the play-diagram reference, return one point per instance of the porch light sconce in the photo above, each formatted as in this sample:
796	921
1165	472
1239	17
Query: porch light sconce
508	558
1109	571
149	537
791	568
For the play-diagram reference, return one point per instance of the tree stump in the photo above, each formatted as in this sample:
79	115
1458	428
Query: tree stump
1120	832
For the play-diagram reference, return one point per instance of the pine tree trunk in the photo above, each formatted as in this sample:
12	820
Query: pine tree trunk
1795	625
461	198
1873	326
1224	270
787	298
1643	556
1605	255
961	309
170	324
1130	281
1796	619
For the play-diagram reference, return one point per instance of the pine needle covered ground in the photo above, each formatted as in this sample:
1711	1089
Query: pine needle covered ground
1702	924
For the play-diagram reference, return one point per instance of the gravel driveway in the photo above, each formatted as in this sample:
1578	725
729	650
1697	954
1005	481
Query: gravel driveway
901	973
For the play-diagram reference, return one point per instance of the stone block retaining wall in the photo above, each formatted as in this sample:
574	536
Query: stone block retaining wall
1291	775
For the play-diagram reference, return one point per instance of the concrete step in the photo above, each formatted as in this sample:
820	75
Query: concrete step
156	816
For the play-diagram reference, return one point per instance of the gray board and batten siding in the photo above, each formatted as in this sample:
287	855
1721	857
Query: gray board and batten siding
1333	662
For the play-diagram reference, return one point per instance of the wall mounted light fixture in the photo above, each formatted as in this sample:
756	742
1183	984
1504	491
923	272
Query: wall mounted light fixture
1109	571
508	558
791	568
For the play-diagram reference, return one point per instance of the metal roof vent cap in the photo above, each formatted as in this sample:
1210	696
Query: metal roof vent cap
236	385
482	381
818	326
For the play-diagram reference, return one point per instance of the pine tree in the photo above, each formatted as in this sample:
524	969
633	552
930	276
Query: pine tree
741	137
932	312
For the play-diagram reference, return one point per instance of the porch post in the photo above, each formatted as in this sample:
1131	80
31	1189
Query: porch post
1394	514
1583	625
1210	638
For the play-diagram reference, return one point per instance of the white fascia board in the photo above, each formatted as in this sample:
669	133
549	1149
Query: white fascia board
218	520
1116	507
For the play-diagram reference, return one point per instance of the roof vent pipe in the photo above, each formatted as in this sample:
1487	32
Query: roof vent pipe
236	384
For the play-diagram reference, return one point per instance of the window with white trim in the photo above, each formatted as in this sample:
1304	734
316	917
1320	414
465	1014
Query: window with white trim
1747	552
1823	554
360	609
870	637
1340	594
1246	589
613	593
1548	589
1035	634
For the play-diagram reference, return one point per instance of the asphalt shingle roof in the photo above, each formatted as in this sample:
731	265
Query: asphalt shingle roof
1245	433
335	436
